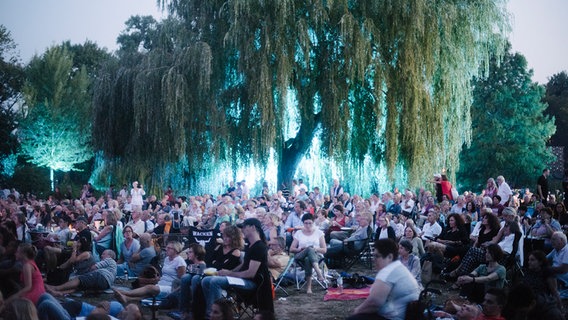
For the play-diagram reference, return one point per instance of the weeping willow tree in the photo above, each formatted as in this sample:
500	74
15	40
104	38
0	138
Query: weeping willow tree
385	80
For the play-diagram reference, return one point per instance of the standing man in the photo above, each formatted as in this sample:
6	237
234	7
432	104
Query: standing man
542	186
504	190
336	190
252	273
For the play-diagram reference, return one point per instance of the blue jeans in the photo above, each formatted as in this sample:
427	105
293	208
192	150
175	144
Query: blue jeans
213	289
48	308
307	258
187	288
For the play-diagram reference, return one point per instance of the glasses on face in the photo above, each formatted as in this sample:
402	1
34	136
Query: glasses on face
127	231
308	222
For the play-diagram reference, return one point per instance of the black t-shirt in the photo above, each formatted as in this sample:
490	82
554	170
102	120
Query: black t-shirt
258	251
543	183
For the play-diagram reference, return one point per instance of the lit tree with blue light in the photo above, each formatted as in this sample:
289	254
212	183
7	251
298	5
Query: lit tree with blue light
55	130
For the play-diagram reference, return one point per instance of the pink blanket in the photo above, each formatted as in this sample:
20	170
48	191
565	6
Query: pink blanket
348	294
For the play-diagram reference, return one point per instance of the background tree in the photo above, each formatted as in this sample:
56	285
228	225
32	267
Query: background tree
55	126
387	81
557	100
11	81
509	127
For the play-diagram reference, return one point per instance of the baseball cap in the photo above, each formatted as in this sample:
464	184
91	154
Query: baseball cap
251	222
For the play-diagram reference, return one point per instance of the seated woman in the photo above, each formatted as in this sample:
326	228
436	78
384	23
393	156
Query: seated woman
338	221
225	256
104	236
543	284
271	226
409	260
321	221
384	230
308	246
393	289
81	259
129	247
488	275
30	277
139	260
355	242
58	242
454	239
417	244
476	254
173	269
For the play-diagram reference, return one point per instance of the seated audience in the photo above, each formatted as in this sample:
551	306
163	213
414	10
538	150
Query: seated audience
129	247
309	247
409	260
488	275
353	243
253	271
101	277
417	244
174	268
539	279
30	277
559	258
393	289
139	260
277	258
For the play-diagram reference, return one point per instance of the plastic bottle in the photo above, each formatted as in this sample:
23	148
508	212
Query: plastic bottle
340	284
125	275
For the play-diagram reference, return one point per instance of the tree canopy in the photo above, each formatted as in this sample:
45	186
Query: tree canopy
510	128
557	99
385	80
55	128
11	82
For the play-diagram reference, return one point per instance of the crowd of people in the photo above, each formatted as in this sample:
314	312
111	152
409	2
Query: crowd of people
87	243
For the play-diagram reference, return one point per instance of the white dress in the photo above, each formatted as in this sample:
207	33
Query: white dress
137	196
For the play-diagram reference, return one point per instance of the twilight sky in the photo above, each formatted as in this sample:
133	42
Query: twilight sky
540	28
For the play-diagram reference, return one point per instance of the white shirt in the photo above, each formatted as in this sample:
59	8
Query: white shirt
431	230
504	192
407	206
169	270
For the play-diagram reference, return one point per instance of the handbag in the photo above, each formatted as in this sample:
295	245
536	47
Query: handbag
150	275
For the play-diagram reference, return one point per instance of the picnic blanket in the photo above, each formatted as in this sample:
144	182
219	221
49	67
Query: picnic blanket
348	294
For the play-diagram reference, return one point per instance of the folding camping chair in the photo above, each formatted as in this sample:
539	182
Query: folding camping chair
324	270
282	276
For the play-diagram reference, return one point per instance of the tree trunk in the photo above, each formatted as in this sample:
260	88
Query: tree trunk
294	150
51	179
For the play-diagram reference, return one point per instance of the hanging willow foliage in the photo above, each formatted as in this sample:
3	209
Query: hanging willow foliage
389	79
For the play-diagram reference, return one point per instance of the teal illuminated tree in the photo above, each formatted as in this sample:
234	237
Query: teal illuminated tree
55	130
382	80
509	128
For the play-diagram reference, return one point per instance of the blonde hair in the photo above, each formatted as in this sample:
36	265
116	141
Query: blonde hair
21	309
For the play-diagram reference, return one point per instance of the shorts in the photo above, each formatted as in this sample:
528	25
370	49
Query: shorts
93	281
